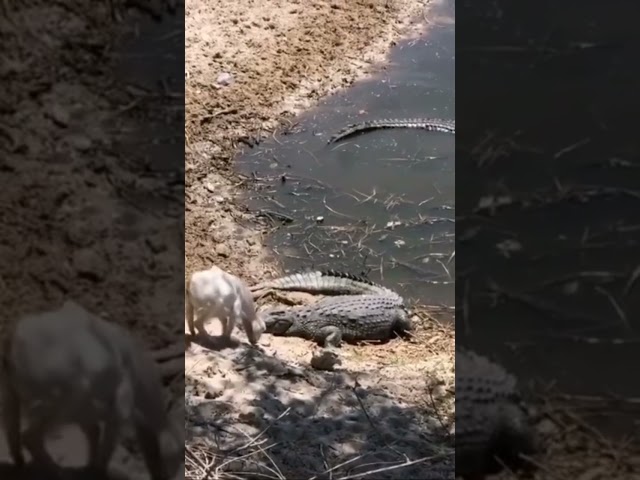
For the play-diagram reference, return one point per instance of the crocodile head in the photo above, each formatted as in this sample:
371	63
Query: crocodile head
277	320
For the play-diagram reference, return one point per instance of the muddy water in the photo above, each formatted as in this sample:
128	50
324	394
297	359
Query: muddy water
380	203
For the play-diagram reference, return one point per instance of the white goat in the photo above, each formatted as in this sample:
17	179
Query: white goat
70	367
215	293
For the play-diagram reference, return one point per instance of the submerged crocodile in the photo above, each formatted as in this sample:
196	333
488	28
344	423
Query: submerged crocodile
349	318
492	424
430	124
361	311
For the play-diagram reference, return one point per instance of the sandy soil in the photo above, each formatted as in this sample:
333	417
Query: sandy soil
383	404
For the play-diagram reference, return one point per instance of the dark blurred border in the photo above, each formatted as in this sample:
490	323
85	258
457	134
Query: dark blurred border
92	168
548	190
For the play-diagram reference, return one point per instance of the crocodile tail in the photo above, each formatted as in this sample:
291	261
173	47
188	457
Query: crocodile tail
330	282
429	124
289	282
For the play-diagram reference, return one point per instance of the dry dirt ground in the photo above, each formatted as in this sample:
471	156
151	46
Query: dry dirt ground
384	405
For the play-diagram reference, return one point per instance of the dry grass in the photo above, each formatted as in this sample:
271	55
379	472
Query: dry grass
573	448
205	460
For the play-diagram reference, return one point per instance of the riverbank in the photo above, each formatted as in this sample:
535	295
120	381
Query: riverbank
282	56
250	67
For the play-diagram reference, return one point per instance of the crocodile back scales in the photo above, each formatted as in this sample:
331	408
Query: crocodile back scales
359	317
490	418
329	282
429	124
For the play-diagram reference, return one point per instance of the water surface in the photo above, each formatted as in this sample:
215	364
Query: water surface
383	202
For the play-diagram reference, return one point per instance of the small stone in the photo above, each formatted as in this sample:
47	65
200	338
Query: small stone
89	264
325	360
439	391
222	250
213	392
224	79
392	225
59	115
546	428
80	142
251	415
156	245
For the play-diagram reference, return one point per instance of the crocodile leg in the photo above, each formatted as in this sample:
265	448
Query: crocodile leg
332	336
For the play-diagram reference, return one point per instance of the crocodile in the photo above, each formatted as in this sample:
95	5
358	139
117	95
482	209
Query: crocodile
430	124
492	423
349	318
327	282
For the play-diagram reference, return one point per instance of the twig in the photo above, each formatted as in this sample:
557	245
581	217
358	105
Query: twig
324	202
540	305
616	306
392	467
632	280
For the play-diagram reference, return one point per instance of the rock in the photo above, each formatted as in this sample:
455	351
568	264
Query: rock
80	142
89	264
59	115
325	360
156	244
547	428
251	415
212	393
222	250
224	79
